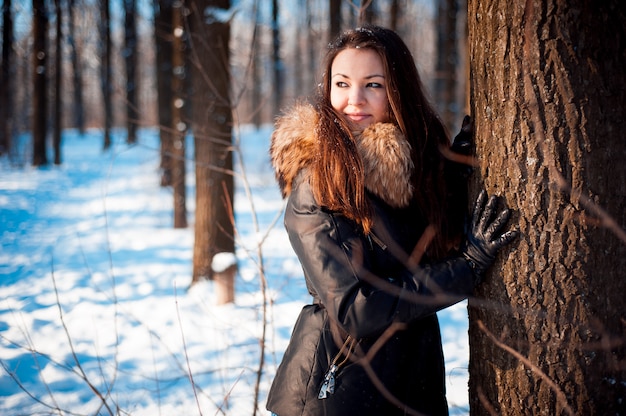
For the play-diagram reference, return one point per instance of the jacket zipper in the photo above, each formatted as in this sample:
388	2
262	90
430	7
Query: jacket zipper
328	385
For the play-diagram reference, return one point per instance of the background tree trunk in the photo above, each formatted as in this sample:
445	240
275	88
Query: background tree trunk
6	91
367	12
77	105
163	34
394	14
212	130
548	94
447	63
58	102
40	96
257	84
334	18
277	64
179	126
105	71
312	48
130	58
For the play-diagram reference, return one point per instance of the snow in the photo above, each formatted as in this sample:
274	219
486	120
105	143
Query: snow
96	316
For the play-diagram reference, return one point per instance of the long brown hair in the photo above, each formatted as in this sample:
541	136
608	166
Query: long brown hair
338	178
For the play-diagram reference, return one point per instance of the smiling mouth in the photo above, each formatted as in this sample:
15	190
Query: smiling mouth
357	117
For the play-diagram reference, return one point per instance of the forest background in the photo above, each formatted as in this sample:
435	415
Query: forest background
200	67
79	76
543	80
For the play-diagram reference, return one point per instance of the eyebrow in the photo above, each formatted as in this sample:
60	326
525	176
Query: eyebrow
367	77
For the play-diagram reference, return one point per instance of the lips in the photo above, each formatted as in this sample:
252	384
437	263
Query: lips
358	117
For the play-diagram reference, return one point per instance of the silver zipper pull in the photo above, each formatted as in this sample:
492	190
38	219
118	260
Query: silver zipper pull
328	386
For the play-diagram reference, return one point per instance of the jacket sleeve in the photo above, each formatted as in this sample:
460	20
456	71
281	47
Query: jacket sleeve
333	254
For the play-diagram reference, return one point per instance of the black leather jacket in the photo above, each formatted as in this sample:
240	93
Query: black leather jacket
363	288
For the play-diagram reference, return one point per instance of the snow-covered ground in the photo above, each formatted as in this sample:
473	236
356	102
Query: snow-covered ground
95	312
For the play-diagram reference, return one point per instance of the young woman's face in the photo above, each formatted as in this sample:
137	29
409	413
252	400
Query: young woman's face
358	87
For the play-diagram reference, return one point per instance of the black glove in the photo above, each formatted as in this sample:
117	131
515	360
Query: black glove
484	239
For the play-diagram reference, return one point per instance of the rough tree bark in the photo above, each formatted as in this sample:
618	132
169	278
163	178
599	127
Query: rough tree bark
548	97
212	130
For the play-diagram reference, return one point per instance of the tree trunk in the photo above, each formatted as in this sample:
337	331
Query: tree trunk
105	71
212	129
58	102
163	37
78	106
447	63
298	67
40	59
179	126
548	96
6	90
130	57
367	12
312	48
277	64
394	14
334	11
257	84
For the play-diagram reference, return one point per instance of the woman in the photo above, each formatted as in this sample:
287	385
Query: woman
371	219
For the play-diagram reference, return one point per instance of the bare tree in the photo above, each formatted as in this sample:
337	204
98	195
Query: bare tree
40	96
212	130
58	102
311	47
334	18
6	90
548	94
394	14
447	62
179	124
367	12
277	63
105	70
163	34
78	108
130	58
257	85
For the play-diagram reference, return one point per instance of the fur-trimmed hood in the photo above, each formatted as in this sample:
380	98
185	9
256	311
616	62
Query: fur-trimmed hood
385	153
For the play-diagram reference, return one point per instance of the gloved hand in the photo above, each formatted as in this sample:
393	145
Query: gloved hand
484	238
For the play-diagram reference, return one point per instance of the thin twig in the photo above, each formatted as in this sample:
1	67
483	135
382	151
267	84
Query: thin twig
182	335
82	373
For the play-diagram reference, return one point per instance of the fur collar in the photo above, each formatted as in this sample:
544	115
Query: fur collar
385	153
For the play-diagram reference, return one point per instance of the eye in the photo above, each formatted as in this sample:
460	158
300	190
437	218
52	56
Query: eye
375	85
341	84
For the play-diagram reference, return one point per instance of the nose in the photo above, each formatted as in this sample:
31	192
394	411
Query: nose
355	96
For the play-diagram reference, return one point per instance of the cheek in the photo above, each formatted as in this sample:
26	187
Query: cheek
337	99
382	109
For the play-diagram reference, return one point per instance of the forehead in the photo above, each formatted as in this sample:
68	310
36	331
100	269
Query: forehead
357	63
